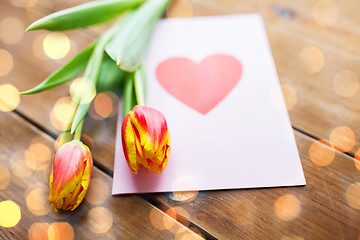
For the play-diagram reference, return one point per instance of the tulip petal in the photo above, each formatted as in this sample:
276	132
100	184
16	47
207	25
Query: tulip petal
85	182
128	141
70	175
146	139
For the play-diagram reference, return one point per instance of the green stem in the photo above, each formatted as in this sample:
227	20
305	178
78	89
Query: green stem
65	137
129	98
78	131
92	73
140	85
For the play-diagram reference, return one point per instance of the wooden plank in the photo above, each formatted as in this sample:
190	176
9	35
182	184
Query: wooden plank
317	109
24	168
326	208
324	212
29	70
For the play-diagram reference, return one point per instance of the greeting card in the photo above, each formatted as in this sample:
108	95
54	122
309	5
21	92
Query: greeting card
214	80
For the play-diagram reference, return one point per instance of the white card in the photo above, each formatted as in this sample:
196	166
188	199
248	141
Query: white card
215	81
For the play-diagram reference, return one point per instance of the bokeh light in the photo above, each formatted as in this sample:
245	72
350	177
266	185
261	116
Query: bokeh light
180	233
312	59
290	96
4	177
37	201
346	83
177	213
156	219
38	156
9	98
60	231
64	137
38	231
18	165
100	220
62	113
10	214
325	12
179	8
103	105
352	195
357	159
56	45
171	212
287	207
98	191
184	196
321	153
6	62
106	104
11	30
82	91
41	151
19	168
342	138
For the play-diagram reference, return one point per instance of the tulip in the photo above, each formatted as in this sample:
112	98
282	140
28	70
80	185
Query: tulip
70	175
145	139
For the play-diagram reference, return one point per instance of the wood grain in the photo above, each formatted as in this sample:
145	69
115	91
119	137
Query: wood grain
99	215
328	204
317	109
323	212
29	70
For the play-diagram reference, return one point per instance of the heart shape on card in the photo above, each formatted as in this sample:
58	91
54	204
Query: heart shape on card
203	85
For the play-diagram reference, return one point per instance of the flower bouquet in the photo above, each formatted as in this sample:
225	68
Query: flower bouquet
112	60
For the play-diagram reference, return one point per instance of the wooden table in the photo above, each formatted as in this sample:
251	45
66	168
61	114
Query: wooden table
316	47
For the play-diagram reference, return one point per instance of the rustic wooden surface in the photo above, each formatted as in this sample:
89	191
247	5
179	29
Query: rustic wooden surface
100	215
312	42
318	211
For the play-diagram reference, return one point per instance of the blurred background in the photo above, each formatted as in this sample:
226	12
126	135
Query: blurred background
316	49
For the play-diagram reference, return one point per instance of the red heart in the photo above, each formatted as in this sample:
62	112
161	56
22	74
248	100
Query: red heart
200	86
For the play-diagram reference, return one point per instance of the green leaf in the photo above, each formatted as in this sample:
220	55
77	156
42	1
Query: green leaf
91	75
84	15
129	94
111	76
140	85
128	46
70	70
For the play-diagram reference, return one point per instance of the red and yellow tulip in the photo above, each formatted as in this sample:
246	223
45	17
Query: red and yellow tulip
145	139
70	175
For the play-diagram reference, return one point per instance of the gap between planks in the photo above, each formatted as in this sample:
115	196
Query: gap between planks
110	174
156	204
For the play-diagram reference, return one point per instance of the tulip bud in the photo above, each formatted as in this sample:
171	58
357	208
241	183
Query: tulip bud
70	175
145	139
